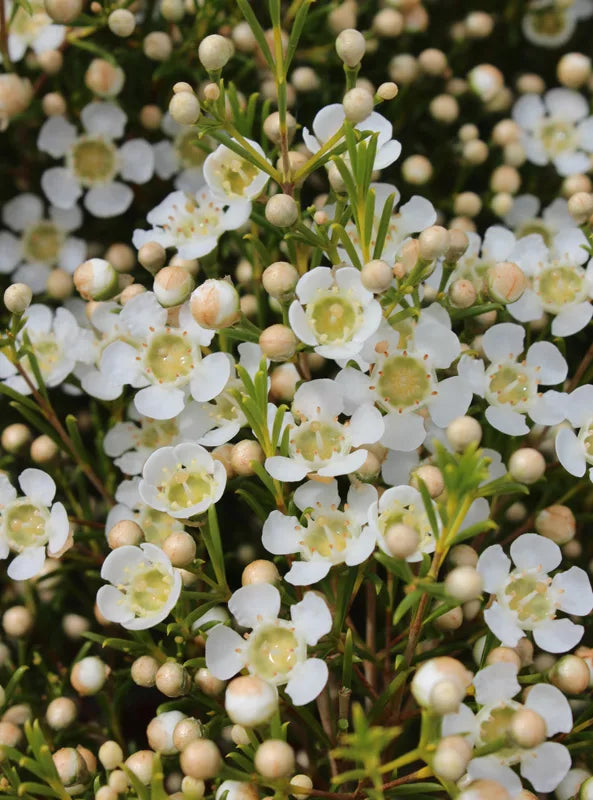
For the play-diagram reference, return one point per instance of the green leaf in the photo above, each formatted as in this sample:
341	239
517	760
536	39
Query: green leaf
257	31
14	681
383	227
406	605
429	508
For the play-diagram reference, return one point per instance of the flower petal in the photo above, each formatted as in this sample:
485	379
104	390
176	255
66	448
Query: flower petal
225	654
530	550
307	681
253	603
27	564
38	486
558	635
311	617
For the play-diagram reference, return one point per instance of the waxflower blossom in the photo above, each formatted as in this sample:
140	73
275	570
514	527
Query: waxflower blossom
550	24
545	765
510	386
402	505
574	450
275	649
183	480
526	217
181	155
156	525
330	536
334	313
31	27
192	223
231	177
40	242
556	128
318	442
92	161
526	598
145	587
32	525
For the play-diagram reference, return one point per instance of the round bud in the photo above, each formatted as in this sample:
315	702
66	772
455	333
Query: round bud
479	25
70	766
463	432
239	735
580	206
431	476
160	731
141	764
201	759
387	91
433	61
467	204
206	681
157	46
486	81
573	70
180	547
283	382
10	734
15	437
131	291
63	11
357	104
74	625
274	759
527	465
463	555
244	453
187	730
214	52
304	79
464	583
125	532
462	293
260	571
88	675
376	276
278	342
104	78
388	23
446	697
184	107
451	757
17	621
484	789
503	655
17	298
417	170
144	671
272	127
282	210
172	285
173	10
444	108
475	152
243	38
151	117
350	47
61	713
152	256
557	523
121	257
50	61
110	754
506	282
570	674
401	540
96	279
576	183
250	701
59	284
53	104
215	304
121	22
433	242
118	781
172	679
449	620
15	96
279	280
528	728
505	179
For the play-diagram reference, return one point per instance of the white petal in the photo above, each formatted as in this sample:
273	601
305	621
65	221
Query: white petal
566	104
441	344
546	766
461	722
576	596
355	388
253	603
472	371
61	187
344	465
510	422
532	550
49	38
387	154
527	308
558	635
528	111
311	282
27	564
498	243
224	652
110	602
452	400
580	403
490	768
503	341
72	254
56	136
551	365
311	617
494	566
108	201
306	573
502	624
22	211
570	244
285	469
573	319
280	534
316	399
571	452
552	705
496	683
572	163
418	213
210	376
105	119
59	528
160	402
11	250
307	681
314	494
403	431
366	425
360	548
137	161
38	486
549	408
116	566
328	120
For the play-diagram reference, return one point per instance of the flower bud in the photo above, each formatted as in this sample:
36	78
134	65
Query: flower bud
528	728
505	179
357	104
110	754
463	555
376	276
96	279
444	108
279	280
157	46
570	674
475	152
462	293
272	127
70	766
121	22
186	730
61	713
89	675
172	679
172	286
441	683
237	790
17	298
214	52
463	584
484	789
17	621
282	210
133	290
208	683
141	764
486	81
278	342
449	620
417	170
573	70
152	256
433	242
53	104
118	781
151	117
250	701
215	304
201	759
350	47
557	523
173	10
503	655
401	540
506	282
184	107
580	206
180	547
431	476
144	671
527	465
243	454
160	731
274	759
446	697
10	734
260	571
63	11
433	61
451	757
104	78
463	432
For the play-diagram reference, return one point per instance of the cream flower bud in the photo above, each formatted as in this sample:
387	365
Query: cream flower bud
215	304
104	78
10	734
350	47
279	280
462	293
388	23
401	540
479	25
573	70
121	22
208	683
304	79
433	242
63	11
433	61
184	107
444	108
160	731
451	757
463	431
463	555
172	285
260	571
503	655
387	90
144	671
53	104
282	210
376	276
464	583
17	298
501	203
528	728
157	46
431	476
450	620
446	696
201	759
214	52
272	127
173	10
278	342
527	465
570	674
357	104
239	735
88	675
274	759
125	532
61	713
180	547
580	206
283	382
250	701
110	754
244	454
152	256
557	523
417	170
467	204
485	80
172	679
186	730
15	437
17	621
15	96
96	279
70	766
141	764
505	179
506	282
458	244
441	683
475	152
576	183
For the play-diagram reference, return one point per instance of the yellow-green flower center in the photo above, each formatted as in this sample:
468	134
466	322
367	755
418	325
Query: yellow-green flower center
496	722
510	384
94	160
187	487
149	589
157	525
527	595
158	433
317	442
169	358
557	136
192	221
334	317
548	22
560	286
42	242
328	535
235	175
535	226
586	437
403	381
29	25
25	526
273	652
48	354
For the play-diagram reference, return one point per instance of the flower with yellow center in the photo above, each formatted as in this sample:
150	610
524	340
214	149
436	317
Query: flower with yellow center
232	177
156	525
32	27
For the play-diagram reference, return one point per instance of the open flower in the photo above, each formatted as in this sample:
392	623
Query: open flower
182	155
319	443
575	451
145	587
329	536
556	128
526	598
183	480
275	649
31	26
334	313
232	177
42	242
495	686
30	525
526	217
93	160
550	24
510	386
155	525
192	223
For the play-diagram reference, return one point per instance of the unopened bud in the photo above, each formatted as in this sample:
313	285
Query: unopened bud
281	210
433	242
280	279
401	540
63	11
278	342
350	47
172	286
527	465
214	52
462	293
215	304
184	107
451	758
17	298
104	78
557	523
250	701
121	22
274	759
464	583
376	276
96	279
528	728
506	282
357	104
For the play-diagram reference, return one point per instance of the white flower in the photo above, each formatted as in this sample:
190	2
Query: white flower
32	28
145	587
42	242
319	443
232	177
167	361
334	313
192	223
275	649
328	536
510	386
156	525
58	344
527	599
556	128
30	525
575	451
402	505
550	24
329	120
183	480
524	217
92	160
182	155
495	686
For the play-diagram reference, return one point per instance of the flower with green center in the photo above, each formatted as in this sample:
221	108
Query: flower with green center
156	525
232	177
183	480
145	587
526	217
31	525
32	27
402	505
275	650
328	536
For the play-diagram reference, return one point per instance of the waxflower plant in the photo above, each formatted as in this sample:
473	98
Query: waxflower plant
297	396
